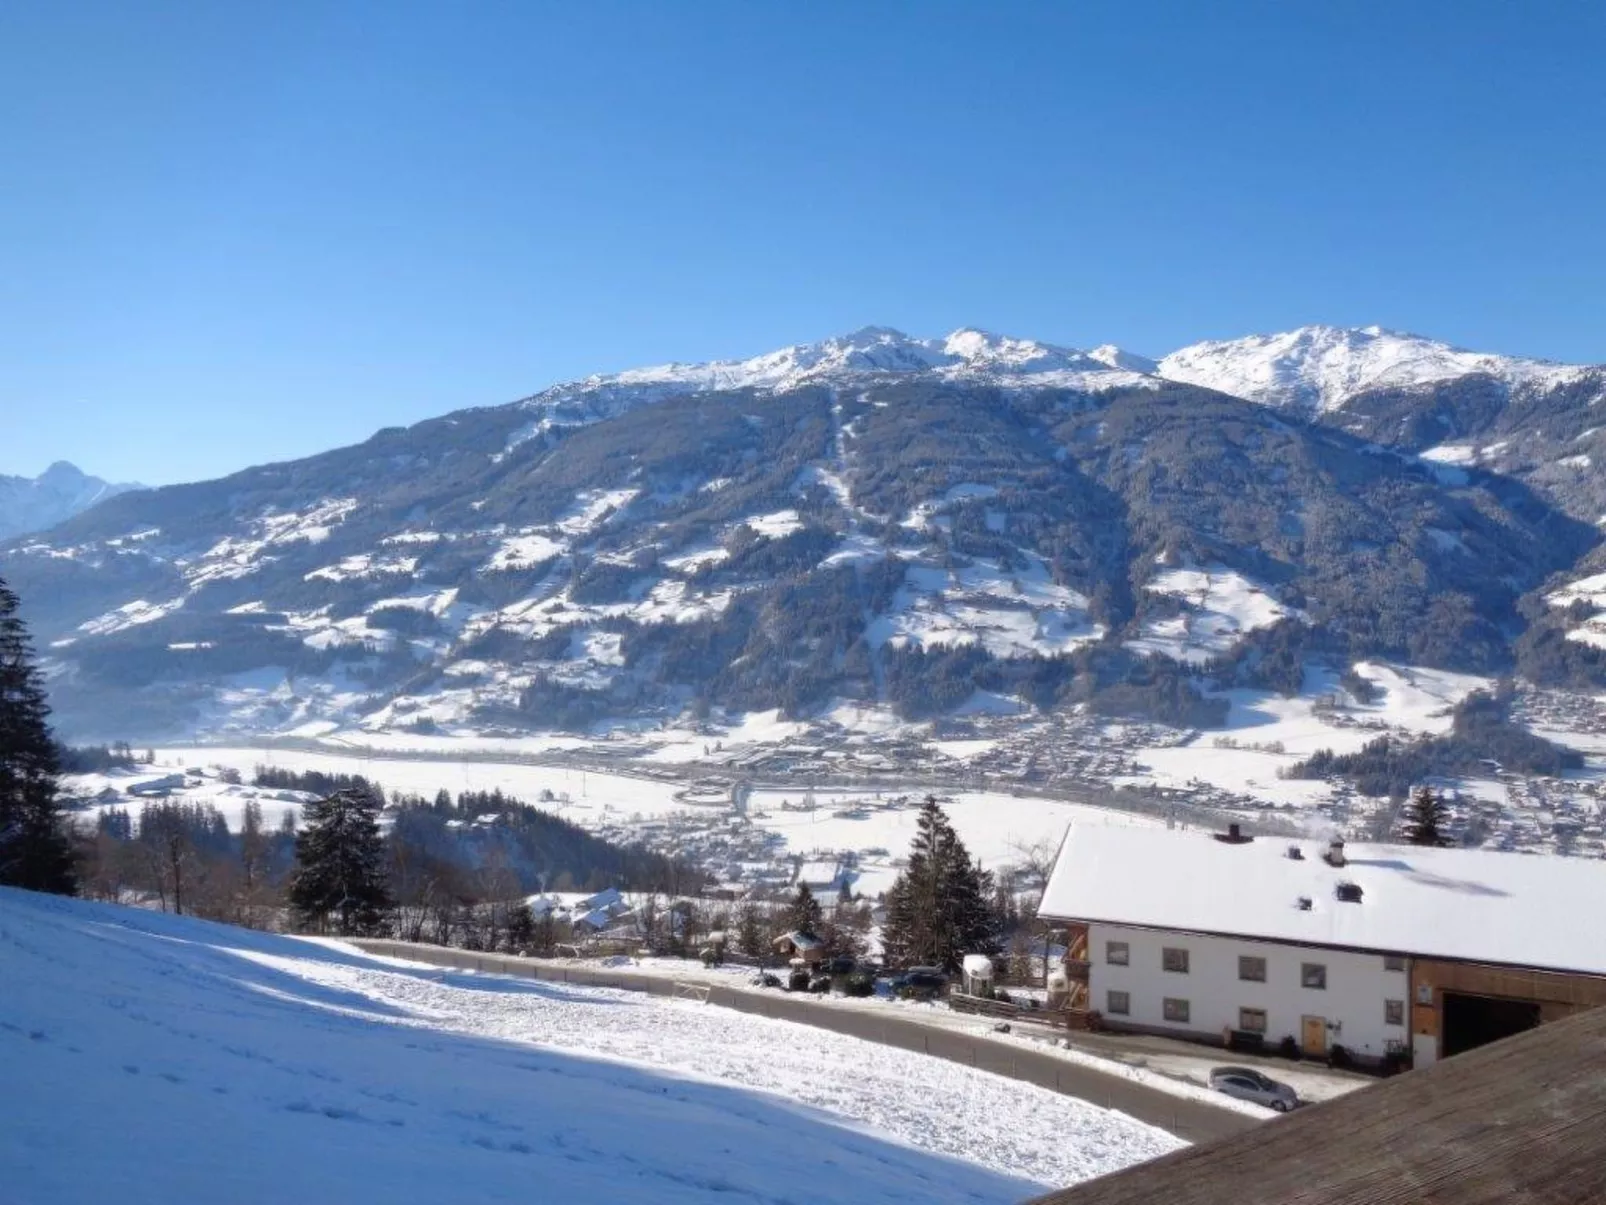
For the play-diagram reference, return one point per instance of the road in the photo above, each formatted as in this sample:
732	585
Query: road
1194	1121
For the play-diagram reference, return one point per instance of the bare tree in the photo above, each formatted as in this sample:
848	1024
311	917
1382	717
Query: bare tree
169	853
1034	865
254	846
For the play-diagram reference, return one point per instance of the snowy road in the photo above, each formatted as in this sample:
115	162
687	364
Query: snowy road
1187	1110
167	1059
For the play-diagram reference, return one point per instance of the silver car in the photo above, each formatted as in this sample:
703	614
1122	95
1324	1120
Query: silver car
1245	1083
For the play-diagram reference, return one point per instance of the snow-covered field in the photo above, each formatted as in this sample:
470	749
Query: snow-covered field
1219	607
1266	732
591	797
994	826
164	1059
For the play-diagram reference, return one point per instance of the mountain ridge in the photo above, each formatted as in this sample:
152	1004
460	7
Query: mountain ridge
895	522
30	504
1317	369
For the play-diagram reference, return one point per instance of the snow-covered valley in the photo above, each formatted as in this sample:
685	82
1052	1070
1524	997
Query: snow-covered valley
1026	577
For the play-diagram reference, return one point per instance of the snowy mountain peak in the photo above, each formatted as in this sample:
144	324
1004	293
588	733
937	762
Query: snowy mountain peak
1318	368
1115	357
60	492
973	354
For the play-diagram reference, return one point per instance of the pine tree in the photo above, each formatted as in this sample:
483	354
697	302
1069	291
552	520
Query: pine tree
520	928
803	914
1427	819
340	865
939	908
749	934
35	851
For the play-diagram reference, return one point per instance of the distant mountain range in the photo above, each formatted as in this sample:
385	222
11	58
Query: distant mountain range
60	492
930	525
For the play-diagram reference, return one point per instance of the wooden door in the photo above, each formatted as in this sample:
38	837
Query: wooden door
1315	1035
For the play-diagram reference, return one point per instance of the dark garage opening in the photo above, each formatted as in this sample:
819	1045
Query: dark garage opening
1471	1021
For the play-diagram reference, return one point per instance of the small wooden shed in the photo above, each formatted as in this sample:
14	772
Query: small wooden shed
800	945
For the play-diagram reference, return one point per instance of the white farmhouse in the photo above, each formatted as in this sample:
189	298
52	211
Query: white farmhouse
1379	949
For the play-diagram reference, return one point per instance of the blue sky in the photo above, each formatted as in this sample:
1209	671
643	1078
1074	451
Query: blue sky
244	231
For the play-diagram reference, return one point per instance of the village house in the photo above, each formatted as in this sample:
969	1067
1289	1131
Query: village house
1381	950
800	946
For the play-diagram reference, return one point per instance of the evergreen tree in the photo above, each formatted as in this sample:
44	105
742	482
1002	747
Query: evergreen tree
340	864
803	914
939	908
749	934
520	928
1427	819
35	851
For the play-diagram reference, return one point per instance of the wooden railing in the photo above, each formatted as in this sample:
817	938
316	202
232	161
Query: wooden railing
983	1006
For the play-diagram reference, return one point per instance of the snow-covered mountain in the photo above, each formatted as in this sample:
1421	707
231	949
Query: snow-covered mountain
1117	357
60	492
873	520
966	354
1316	369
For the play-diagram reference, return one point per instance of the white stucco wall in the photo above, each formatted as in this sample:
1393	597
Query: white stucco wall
1352	1003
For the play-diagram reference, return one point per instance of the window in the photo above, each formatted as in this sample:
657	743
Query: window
1118	1004
1253	970
1424	994
1313	975
1176	1010
1117	953
1174	960
1252	1020
1394	1012
1394	962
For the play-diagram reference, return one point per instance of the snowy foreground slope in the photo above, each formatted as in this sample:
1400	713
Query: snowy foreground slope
164	1059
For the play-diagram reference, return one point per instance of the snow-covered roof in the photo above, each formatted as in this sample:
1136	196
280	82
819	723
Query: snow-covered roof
607	897
979	966
1476	905
818	873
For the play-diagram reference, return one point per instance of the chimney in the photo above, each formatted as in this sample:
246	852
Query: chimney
1234	835
1335	852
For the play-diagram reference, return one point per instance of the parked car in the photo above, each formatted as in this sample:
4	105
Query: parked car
1245	1083
920	983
